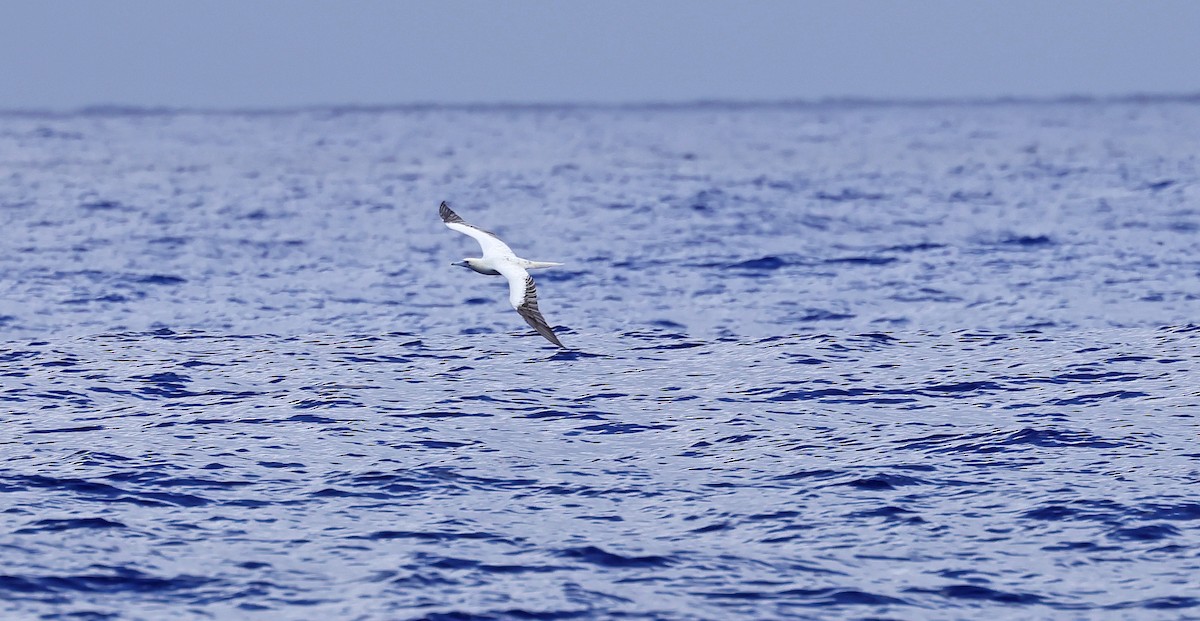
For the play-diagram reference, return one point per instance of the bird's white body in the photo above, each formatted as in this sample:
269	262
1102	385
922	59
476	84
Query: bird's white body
499	260
483	265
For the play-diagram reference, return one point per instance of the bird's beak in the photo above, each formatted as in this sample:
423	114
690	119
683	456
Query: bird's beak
459	264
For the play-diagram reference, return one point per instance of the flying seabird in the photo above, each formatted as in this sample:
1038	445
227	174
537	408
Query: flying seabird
498	260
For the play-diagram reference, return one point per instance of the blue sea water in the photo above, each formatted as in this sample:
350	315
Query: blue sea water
828	361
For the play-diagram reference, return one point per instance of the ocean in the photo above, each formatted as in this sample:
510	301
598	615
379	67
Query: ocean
843	360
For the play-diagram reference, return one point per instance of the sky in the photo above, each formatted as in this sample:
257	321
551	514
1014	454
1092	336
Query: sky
237	54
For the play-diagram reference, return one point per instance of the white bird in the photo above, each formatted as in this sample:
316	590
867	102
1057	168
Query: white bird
498	260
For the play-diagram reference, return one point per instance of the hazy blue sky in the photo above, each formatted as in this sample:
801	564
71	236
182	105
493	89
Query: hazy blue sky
264	53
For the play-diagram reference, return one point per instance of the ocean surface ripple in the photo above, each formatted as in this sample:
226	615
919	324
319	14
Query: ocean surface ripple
827	362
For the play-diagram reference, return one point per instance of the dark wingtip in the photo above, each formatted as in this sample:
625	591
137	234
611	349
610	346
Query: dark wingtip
543	328
529	311
448	215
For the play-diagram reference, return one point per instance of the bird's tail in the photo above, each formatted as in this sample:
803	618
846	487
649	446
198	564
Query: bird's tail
532	265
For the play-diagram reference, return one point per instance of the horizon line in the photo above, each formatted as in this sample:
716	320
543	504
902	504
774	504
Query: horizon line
116	109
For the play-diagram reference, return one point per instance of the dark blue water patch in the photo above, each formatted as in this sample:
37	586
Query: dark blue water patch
1001	441
820	314
38	481
598	556
560	275
165	479
172	242
257	214
90	615
447	562
850	195
1149	532
961	387
1028	241
510	614
917	247
58	525
105	205
1085	399
1093	377
160	279
163	379
889	513
281	465
603	395
981	593
1077	511
570	355
76	429
330	492
706	200
167	385
17	354
619	428
1080	546
105	580
440	536
374	359
1058	438
925	294
846	395
1127	359
767	263
328	402
868	260
884	482
1183	511
830	597
441	444
877	337
1160	603
676	342
788	186
964	196
111	298
100	458
804	359
1051	512
63	362
712	528
107	493
407	413
816	598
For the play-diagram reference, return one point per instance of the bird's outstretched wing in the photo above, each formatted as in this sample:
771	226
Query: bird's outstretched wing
491	245
523	297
